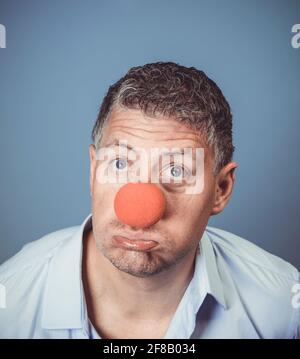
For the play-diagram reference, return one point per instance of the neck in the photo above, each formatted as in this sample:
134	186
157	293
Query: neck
154	298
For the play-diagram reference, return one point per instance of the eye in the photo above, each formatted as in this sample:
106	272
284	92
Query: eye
120	163
177	171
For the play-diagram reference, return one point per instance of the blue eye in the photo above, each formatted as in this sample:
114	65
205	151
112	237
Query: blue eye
121	163
176	171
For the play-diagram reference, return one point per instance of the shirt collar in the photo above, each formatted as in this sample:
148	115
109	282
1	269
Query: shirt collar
206	281
64	305
214	285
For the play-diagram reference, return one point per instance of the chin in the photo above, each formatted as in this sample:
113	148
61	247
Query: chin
138	265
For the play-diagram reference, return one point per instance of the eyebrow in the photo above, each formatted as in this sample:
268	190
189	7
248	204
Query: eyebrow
116	142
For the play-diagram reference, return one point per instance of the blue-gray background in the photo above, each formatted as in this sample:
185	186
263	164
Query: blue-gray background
61	56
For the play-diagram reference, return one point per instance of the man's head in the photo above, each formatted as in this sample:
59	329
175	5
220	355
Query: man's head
163	105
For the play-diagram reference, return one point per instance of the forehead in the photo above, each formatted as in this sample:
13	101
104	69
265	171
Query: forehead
142	130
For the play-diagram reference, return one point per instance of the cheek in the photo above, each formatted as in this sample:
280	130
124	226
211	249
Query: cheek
188	215
103	199
190	207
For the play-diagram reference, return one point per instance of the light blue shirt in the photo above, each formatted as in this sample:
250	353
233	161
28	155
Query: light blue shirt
238	291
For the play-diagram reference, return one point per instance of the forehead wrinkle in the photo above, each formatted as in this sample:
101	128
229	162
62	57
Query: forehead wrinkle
164	122
162	139
191	136
156	130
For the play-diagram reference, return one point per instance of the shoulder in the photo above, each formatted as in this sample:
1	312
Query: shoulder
238	248
23	280
35	253
263	282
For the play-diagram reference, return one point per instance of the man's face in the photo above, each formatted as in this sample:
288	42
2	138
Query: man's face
181	227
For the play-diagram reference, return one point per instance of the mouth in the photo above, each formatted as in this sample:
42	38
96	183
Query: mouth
139	245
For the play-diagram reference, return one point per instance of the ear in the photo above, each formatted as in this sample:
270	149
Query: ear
92	154
223	187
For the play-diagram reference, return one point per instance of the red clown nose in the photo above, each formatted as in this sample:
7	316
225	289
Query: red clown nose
139	204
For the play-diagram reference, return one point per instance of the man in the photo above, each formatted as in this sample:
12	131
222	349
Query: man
123	274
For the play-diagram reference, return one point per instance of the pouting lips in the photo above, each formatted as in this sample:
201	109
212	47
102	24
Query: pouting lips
134	244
